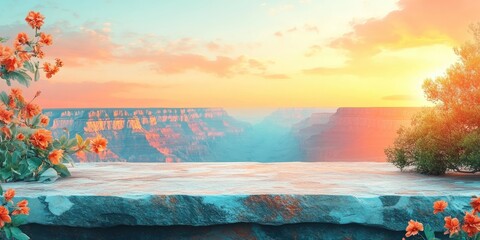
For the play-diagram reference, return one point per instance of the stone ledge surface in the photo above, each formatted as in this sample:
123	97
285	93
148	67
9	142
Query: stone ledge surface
202	194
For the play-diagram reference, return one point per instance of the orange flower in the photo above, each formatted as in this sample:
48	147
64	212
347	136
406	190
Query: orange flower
475	203
413	228
5	52
471	224
4	217
50	70
22	38
45	39
439	206
58	62
11	102
32	110
16	93
6	116
12	63
5	130
55	156
22	208
41	138
20	137
24	56
44	120
18	46
452	225
35	19
99	144
9	194
37	49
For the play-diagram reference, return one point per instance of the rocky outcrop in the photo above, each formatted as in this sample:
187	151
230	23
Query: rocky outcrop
203	194
149	134
354	134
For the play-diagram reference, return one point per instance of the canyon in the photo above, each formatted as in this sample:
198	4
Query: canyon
212	135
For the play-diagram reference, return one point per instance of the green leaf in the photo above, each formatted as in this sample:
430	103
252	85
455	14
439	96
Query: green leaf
62	170
1	190
4	98
29	66
20	76
36	120
8	232
37	72
18	234
429	233
79	139
34	163
49	176
18	220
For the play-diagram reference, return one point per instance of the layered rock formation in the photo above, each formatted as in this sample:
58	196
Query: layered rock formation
148	135
352	134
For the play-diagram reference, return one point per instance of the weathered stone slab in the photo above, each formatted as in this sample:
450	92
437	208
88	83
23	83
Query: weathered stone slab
202	194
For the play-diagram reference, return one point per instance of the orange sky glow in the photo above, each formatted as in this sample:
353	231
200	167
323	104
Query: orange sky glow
245	54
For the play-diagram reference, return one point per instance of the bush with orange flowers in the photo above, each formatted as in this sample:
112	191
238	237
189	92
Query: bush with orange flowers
12	215
468	230
28	151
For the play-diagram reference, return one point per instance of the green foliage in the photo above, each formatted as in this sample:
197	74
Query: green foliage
429	233
446	136
13	216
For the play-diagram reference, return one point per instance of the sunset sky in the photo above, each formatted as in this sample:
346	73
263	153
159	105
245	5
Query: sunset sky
244	53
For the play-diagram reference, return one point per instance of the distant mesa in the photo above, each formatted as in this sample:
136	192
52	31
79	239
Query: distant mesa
352	134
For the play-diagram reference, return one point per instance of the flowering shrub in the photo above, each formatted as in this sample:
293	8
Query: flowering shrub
453	227
28	151
12	215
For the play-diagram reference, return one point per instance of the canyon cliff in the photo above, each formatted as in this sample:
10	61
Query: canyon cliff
148	135
352	134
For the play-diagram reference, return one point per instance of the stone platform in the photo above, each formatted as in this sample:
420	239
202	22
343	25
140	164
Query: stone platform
205	194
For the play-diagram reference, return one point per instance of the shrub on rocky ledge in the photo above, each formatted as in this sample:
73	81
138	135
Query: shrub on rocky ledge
446	136
28	151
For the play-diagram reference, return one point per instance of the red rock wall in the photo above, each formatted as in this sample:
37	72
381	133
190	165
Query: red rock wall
355	134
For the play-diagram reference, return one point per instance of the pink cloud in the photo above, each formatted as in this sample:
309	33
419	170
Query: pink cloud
92	45
218	47
171	63
416	23
92	94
